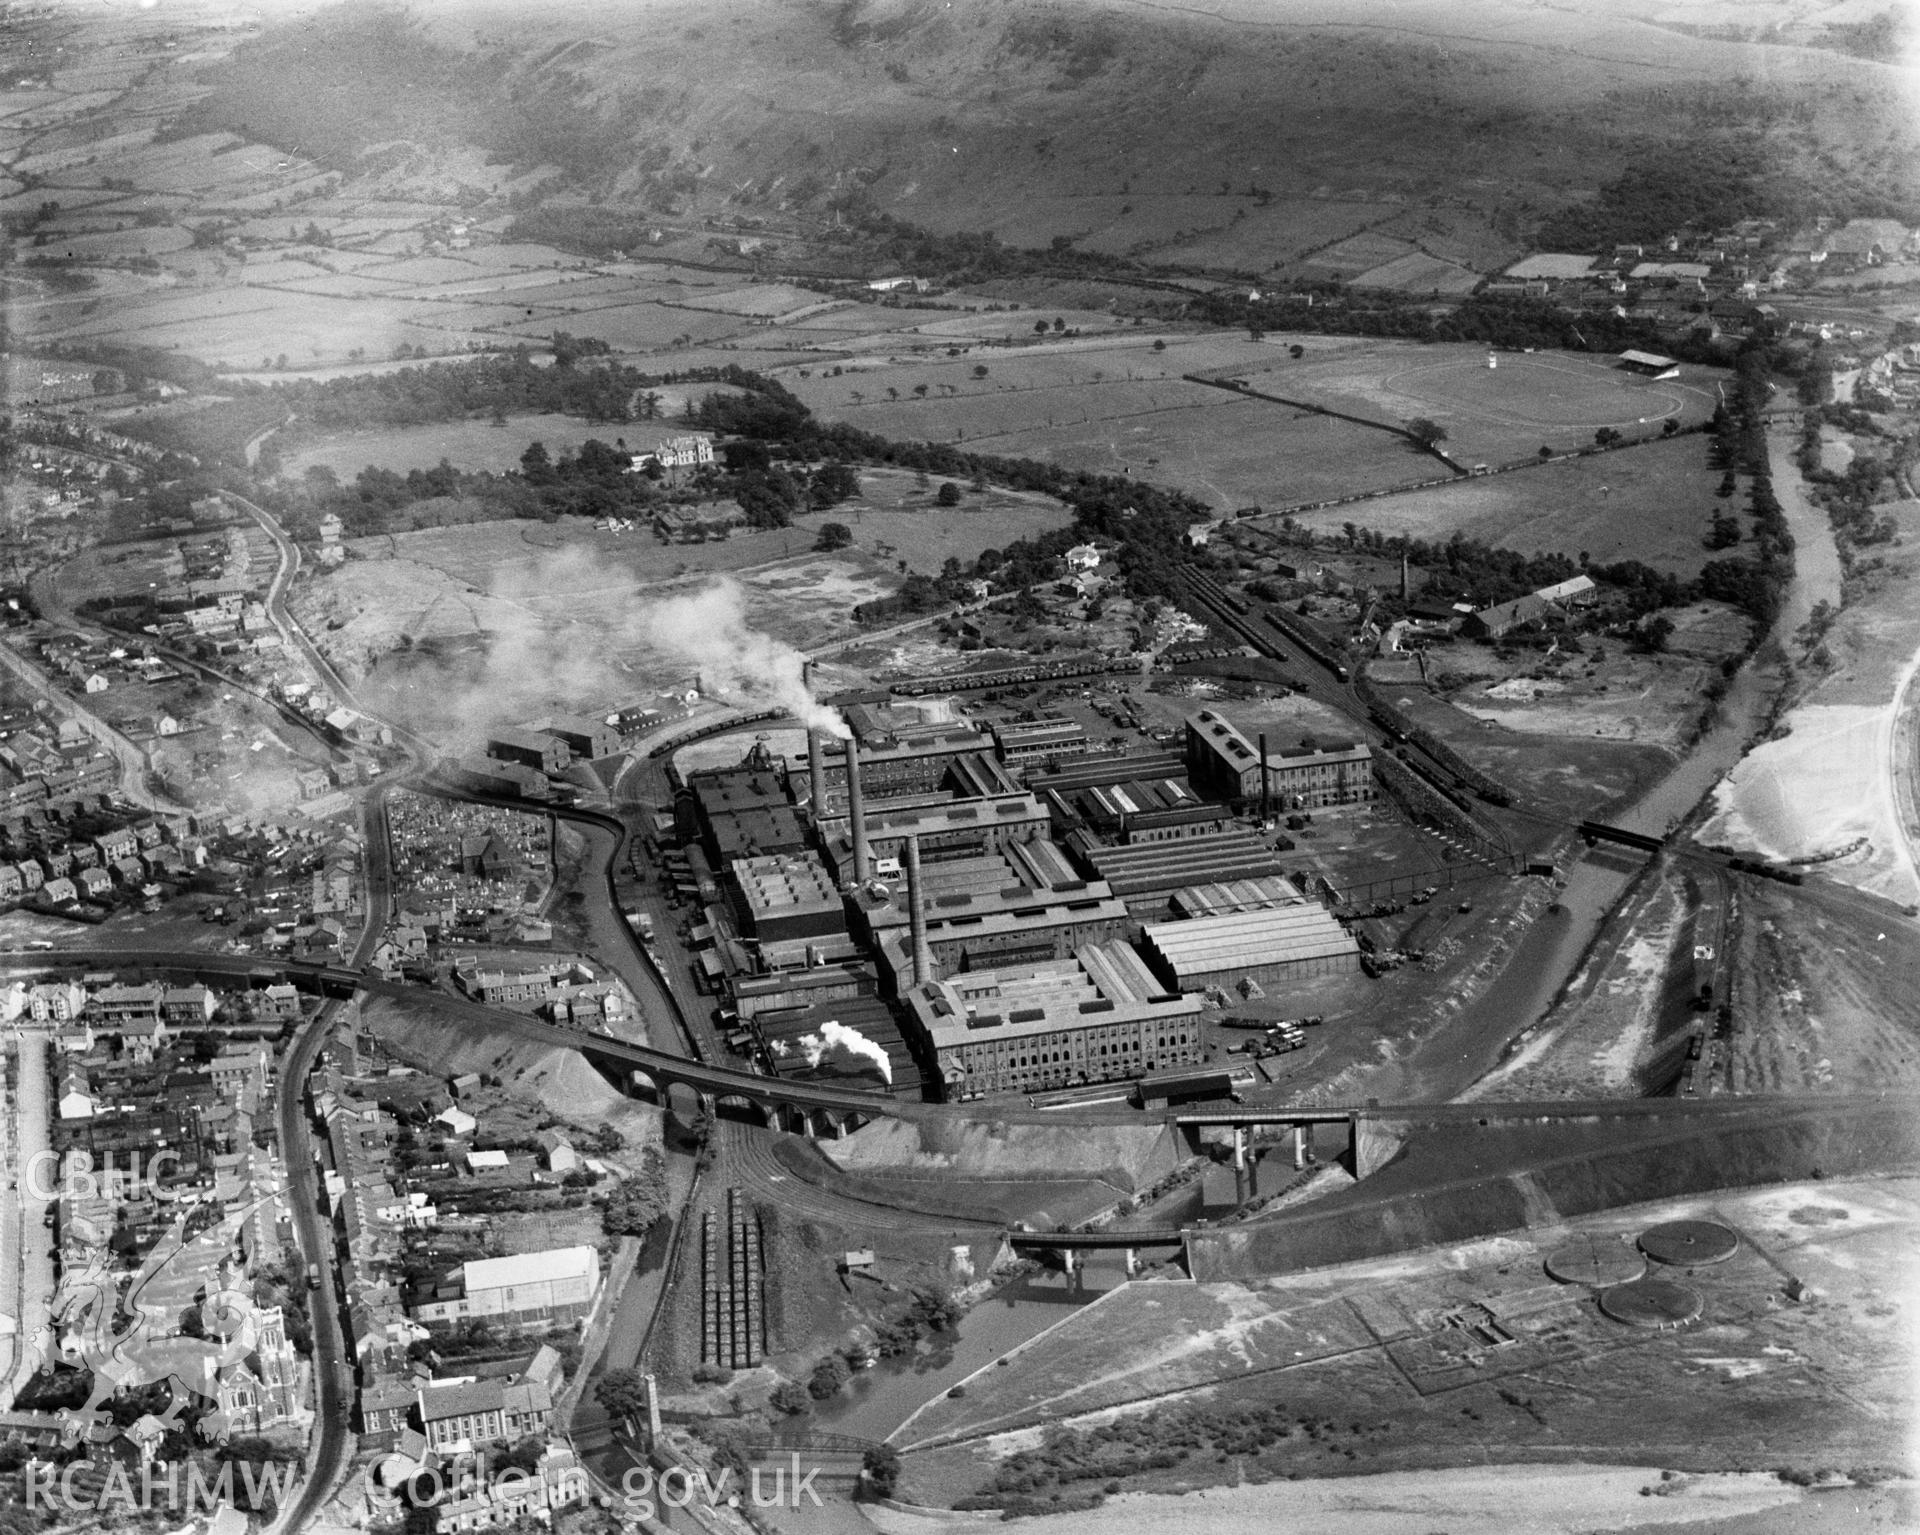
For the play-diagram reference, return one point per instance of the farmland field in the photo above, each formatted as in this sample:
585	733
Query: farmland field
1417	272
471	445
639	327
1498	415
1649	503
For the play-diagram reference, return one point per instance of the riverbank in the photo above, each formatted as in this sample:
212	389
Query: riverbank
1831	779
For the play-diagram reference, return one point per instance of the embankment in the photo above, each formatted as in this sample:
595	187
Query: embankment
1517	1176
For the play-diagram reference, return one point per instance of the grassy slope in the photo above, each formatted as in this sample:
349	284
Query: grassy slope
955	117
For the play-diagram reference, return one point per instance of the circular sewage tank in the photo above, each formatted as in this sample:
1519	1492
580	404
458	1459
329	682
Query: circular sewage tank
1688	1244
1651	1303
1596	1261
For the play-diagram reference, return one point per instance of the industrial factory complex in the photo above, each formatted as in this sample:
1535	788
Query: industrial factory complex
1003	912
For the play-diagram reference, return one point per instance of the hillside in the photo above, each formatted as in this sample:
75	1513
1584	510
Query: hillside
1217	137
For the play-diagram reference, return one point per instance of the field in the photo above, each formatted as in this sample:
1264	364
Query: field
1651	503
470	445
1496	415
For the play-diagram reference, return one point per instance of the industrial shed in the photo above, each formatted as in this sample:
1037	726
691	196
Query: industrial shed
1270	946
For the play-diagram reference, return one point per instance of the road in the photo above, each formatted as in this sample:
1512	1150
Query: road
313	1231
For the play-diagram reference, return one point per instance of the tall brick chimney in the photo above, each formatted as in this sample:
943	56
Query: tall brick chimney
856	815
917	917
817	773
1266	795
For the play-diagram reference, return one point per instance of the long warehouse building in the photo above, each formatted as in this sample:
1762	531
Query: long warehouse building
1270	946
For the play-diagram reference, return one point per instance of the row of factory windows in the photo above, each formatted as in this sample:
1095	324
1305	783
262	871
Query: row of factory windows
1071	1045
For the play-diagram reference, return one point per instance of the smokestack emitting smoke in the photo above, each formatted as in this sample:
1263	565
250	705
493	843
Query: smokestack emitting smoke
856	814
835	1035
917	916
708	631
817	773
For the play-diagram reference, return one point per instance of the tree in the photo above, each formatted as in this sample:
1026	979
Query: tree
1545	451
1039	327
1655	632
1606	437
833	535
1296	351
791	1398
829	1375
536	466
949	495
979	371
1426	431
881	1466
622	1392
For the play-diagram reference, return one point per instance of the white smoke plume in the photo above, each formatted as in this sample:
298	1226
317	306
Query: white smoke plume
708	630
835	1035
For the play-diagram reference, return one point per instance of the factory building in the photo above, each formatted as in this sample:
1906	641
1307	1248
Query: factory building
978	776
1100	1016
743	813
1146	874
786	897
1147	810
1041	743
957	829
489	775
994	929
530	748
1221	761
545	1288
585	737
1219	897
903	763
1269	946
1091	772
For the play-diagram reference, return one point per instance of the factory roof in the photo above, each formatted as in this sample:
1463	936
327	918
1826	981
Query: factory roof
750	833
536	740
892	748
1231	742
1245	940
1216	897
555	1263
1039	733
1088	771
786	883
1154	866
932	820
1102	984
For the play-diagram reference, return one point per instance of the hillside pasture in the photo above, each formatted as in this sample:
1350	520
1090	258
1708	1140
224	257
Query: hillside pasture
1276	237
242	324
1417	272
1650	503
638	327
762	301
